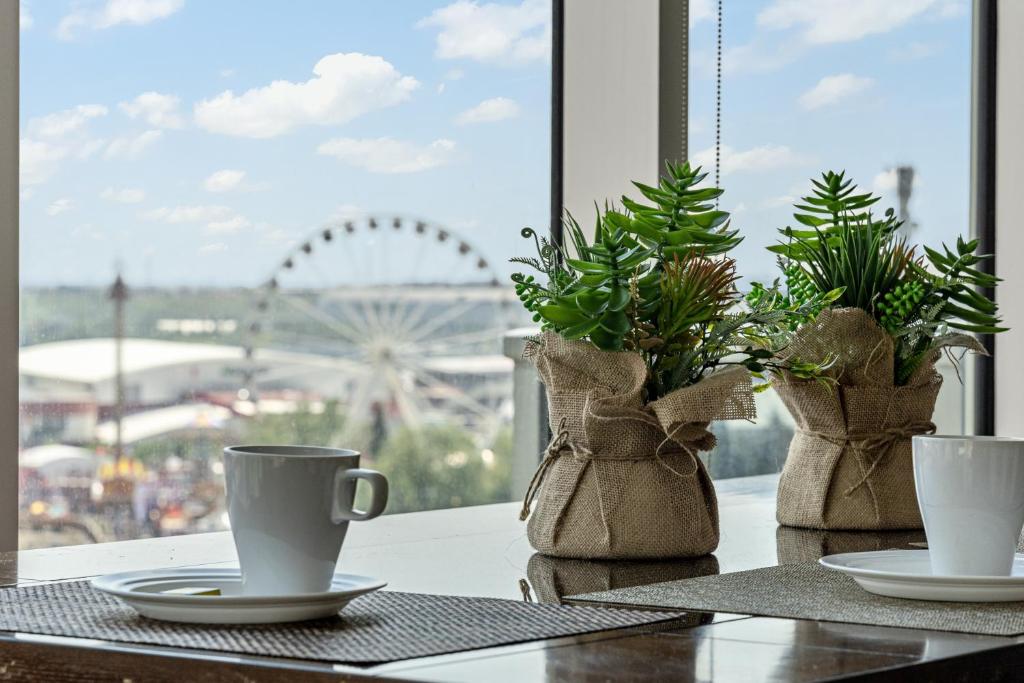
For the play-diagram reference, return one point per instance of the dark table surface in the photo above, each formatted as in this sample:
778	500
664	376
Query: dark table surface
483	551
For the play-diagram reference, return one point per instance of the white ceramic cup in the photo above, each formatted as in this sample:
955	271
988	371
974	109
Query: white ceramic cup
971	493
289	508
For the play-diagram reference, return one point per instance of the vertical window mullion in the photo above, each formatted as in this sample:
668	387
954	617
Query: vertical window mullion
9	29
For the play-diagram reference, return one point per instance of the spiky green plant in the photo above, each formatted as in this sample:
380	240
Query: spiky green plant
923	302
655	280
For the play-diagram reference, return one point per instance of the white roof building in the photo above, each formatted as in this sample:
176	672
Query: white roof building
163	372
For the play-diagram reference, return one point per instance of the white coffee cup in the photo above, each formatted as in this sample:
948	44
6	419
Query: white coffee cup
971	493
289	508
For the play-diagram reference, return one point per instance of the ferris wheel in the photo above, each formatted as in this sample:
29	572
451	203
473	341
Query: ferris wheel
404	317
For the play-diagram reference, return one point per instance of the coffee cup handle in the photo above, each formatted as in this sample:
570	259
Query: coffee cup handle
345	488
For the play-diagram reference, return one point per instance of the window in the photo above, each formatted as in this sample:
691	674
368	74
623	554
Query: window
244	222
884	95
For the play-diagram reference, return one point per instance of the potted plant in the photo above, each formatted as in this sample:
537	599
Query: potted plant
891	315
642	348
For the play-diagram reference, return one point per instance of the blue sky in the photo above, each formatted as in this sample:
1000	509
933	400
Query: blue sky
152	134
860	85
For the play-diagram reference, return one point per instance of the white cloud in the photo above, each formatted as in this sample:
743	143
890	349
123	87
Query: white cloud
228	225
839	21
700	10
90	147
131	146
914	51
757	56
949	9
25	19
345	86
763	158
125	195
387	155
833	89
781	200
218	218
226	73
224	180
213	248
156	109
65	122
347	211
39	160
494	109
59	206
202	213
884	182
114	13
493	33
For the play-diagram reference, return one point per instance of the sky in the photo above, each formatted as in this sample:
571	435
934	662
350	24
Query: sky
861	86
196	143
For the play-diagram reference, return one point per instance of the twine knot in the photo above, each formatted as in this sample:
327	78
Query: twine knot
559	445
883	441
688	437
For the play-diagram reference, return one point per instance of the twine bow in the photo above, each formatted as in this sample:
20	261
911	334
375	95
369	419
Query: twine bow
689	437
881	441
559	444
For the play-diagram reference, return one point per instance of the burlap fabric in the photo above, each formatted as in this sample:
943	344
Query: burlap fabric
553	579
621	480
849	464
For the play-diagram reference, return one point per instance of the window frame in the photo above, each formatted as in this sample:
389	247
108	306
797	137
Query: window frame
984	105
672	107
10	29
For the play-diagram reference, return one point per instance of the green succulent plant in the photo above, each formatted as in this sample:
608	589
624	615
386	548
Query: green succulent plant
924	303
656	280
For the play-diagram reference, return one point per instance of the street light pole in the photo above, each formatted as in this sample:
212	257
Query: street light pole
118	294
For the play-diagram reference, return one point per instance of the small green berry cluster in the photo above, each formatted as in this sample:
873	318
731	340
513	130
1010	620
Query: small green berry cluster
529	293
897	305
798	284
800	292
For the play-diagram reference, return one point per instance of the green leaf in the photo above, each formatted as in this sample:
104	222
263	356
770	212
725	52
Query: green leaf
618	298
605	340
561	315
592	302
587	266
616	322
579	331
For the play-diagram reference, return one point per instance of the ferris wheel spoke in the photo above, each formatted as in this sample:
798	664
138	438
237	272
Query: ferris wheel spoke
413	309
357	408
454	312
348	333
369	304
406	401
454	342
289	339
453	393
394	302
294	372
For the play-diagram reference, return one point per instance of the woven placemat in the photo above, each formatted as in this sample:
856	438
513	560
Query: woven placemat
382	627
810	591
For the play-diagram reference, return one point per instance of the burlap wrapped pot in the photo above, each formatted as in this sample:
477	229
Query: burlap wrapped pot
621	479
850	462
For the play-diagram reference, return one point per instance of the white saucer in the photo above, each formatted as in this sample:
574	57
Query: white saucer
144	591
908	574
